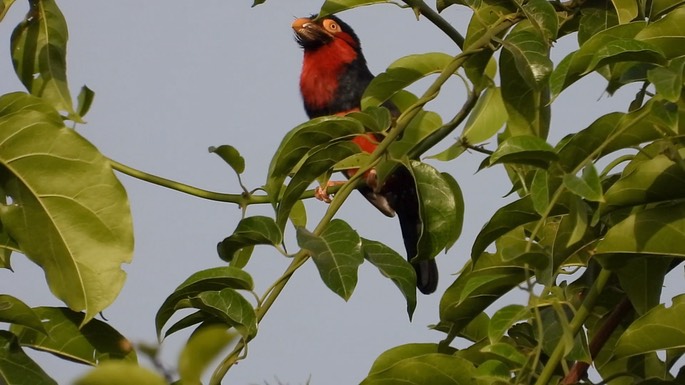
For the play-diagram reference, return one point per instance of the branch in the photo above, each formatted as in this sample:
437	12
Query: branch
579	368
438	20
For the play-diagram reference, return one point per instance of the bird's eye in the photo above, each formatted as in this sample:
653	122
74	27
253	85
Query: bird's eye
331	26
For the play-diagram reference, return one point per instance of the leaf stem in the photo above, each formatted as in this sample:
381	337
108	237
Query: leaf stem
575	325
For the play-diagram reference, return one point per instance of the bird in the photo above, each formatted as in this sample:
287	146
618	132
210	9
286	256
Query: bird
333	78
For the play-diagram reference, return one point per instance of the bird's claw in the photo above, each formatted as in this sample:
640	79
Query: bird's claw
321	192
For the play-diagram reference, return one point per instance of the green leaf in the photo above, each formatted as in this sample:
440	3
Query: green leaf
402	73
642	279
395	267
90	344
588	186
657	231
539	191
543	17
330	7
298	214
374	119
257	230
507	353
524	149
439	197
595	19
4	7
85	100
320	161
668	81
390	357
504	220
228	306
16	368
660	7
626	9
13	311
231	156
661	328
203	346
70	214
39	51
667	33
530	55
213	279
646	181
524	67
120	373
337	254
432	368
503	318
479	285
301	140
486	118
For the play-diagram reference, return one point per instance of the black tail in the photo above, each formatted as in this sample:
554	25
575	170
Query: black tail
400	190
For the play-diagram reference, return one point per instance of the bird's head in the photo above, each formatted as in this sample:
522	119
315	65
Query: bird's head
312	33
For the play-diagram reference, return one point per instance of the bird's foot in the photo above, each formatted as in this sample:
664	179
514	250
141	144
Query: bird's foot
321	192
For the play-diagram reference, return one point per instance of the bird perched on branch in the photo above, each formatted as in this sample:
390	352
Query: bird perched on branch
333	79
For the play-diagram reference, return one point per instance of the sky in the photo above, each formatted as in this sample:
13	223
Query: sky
173	78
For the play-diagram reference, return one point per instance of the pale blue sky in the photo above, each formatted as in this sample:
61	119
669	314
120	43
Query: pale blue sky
171	79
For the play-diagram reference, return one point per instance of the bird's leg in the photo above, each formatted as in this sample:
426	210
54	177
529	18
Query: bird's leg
321	192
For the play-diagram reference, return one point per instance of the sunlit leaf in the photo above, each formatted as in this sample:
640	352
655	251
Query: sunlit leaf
231	156
666	33
660	7
595	19
258	230
658	231
539	191
39	50
642	279
70	214
391	356
337	254
14	311
395	267
543	17
487	117
402	73
432	368
530	55
120	373
330	7
661	328
203	346
626	10
90	344
16	368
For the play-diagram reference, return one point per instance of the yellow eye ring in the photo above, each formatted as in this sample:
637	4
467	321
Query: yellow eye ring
331	26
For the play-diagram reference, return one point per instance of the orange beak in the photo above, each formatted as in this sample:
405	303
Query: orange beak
300	23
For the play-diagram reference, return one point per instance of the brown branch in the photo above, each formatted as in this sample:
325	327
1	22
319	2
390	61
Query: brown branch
611	322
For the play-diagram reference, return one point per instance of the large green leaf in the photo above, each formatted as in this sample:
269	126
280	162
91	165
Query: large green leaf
667	33
39	53
431	368
530	55
258	230
4	7
330	7
524	149
587	186
70	214
441	208
661	328
316	164
394	355
213	279
16	368
596	17
504	318
90	344
642	278
401	73
301	140
14	311
543	17
120	373
657	231
337	254
626	10
660	7
395	267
